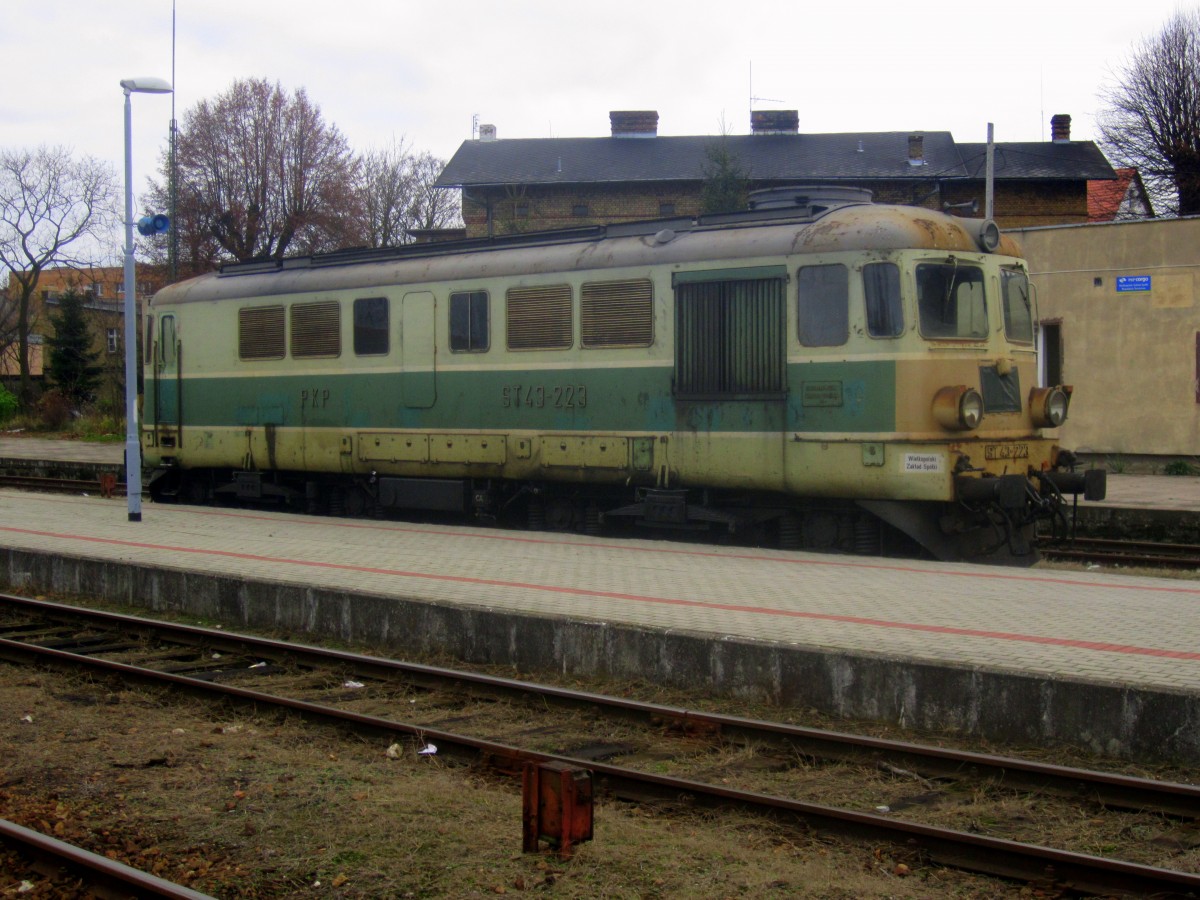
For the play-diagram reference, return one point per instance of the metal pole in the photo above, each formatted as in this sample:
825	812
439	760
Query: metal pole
989	201
133	447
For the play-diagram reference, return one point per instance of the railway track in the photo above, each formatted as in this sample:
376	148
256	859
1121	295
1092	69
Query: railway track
117	879
361	692
1143	554
105	486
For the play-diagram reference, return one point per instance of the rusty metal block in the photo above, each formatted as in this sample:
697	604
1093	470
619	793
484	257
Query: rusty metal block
556	806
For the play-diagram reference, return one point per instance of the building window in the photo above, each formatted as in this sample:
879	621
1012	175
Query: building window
823	311
617	314
521	210
666	209
97	289
579	210
113	336
540	318
469	321
371	326
881	291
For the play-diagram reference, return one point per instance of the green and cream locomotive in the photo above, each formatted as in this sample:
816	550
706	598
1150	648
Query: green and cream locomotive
822	369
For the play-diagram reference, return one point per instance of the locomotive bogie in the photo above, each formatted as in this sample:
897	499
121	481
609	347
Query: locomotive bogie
706	375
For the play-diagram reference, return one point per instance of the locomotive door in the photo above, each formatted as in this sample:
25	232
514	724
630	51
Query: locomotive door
418	352
166	373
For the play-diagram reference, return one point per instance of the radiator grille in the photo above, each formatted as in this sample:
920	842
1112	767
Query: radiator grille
617	314
539	318
260	332
316	330
730	338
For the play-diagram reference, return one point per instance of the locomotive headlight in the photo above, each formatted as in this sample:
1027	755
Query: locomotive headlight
958	408
1048	406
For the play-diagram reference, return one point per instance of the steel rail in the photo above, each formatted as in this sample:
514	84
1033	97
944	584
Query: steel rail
98	869
1151	554
994	856
1106	788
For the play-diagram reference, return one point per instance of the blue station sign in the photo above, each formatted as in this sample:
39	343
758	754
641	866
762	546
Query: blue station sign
1132	283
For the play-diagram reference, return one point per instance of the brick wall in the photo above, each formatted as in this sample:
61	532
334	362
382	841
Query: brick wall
540	208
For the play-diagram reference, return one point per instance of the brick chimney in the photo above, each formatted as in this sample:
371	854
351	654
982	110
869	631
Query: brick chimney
634	123
774	121
1060	128
916	149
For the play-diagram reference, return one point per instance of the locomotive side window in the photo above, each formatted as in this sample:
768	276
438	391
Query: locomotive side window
730	334
1018	306
951	301
469	323
540	318
881	290
617	314
316	330
823	313
261	332
371	326
167	344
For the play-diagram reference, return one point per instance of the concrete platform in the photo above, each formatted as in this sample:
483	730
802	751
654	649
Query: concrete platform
1107	662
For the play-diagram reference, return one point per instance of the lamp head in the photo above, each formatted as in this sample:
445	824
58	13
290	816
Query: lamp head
146	85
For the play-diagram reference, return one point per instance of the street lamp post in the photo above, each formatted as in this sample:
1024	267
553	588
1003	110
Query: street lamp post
133	447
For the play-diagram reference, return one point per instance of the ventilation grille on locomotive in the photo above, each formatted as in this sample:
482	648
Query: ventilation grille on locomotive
539	318
316	330
261	332
617	314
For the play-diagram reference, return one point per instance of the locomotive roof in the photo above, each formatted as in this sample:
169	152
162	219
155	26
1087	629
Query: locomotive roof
680	241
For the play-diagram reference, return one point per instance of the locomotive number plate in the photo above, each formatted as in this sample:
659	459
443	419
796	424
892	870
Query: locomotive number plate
1006	451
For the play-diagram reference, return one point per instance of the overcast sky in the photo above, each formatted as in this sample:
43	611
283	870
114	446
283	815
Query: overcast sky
421	71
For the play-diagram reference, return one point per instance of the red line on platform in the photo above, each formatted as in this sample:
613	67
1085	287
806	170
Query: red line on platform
1099	646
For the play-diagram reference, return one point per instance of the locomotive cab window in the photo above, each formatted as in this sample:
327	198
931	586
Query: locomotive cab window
950	299
823	310
881	293
1018	306
469	326
371	326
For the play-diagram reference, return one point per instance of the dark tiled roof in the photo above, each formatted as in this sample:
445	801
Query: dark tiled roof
1070	160
766	157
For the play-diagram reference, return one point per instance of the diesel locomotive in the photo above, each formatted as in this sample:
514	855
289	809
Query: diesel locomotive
820	370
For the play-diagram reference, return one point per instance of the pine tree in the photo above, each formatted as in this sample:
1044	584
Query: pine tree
726	184
72	362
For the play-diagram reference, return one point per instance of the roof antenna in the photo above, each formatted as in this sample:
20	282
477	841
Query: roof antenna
752	97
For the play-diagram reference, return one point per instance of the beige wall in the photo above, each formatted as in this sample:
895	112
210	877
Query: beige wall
1132	356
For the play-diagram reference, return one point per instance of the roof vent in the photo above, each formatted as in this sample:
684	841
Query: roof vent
634	123
813	198
487	132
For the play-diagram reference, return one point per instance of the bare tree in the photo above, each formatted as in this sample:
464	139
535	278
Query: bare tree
54	209
260	173
1153	117
397	195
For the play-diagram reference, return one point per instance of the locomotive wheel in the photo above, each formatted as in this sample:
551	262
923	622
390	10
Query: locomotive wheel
560	515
